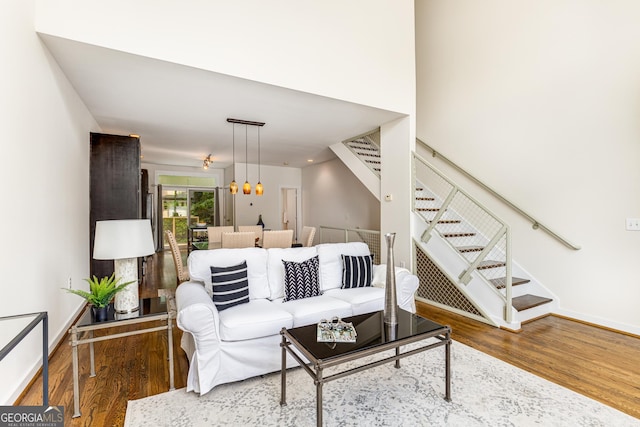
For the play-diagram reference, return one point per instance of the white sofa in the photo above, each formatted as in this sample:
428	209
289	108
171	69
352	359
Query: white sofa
244	341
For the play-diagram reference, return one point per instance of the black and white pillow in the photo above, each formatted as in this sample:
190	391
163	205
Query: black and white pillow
301	279
357	271
230	285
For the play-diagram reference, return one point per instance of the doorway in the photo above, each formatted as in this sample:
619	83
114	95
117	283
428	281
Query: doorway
185	207
289	210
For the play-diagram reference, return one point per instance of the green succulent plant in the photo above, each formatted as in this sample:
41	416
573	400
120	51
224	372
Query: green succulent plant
101	291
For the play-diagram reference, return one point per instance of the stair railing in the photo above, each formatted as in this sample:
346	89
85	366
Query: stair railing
535	224
481	238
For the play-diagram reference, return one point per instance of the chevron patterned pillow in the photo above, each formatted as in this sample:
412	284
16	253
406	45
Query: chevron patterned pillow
357	271
230	285
301	279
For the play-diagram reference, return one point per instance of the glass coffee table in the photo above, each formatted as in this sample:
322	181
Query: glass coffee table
151	310
373	337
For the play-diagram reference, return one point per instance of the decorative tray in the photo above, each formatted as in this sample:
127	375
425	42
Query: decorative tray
336	331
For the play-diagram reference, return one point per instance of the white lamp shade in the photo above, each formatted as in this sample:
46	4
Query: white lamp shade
123	238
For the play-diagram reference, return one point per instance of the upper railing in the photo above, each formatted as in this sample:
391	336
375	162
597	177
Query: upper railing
345	235
536	224
480	237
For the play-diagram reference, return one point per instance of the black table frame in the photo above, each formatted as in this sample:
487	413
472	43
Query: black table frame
316	366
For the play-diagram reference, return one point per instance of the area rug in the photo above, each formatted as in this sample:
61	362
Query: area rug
485	392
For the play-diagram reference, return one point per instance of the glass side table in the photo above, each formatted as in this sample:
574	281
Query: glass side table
151	310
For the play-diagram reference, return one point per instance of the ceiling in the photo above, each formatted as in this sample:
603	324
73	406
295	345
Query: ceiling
180	112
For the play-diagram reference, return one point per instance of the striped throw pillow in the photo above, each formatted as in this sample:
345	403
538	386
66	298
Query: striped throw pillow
357	271
230	286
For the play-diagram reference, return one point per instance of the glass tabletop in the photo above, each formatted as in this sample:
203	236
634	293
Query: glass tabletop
371	332
148	307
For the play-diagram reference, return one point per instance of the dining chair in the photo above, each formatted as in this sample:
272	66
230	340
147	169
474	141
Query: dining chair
308	233
214	234
257	229
277	239
182	274
239	239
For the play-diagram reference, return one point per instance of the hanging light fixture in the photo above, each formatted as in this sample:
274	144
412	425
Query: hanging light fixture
207	161
246	188
259	188
233	187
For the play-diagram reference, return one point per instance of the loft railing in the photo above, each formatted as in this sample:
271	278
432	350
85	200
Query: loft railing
481	238
328	234
535	224
367	148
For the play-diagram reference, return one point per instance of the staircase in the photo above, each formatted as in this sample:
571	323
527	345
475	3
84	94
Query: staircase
463	255
470	248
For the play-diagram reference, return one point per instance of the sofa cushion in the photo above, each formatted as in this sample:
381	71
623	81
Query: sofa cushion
331	261
230	285
200	262
357	271
301	279
275	268
362	300
258	318
311	310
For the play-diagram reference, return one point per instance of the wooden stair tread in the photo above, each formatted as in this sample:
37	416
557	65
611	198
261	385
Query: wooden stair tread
449	221
466	249
461	234
429	199
528	301
500	282
484	265
427	209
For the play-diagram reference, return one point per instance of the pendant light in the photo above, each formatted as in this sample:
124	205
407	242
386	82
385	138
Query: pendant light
233	187
259	188
246	188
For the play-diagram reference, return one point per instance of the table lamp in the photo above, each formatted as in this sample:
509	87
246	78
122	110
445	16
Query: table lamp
124	241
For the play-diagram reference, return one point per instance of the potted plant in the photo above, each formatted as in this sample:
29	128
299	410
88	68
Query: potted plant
101	292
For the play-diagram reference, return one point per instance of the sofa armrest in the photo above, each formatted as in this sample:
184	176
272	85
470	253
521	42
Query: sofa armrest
406	285
198	317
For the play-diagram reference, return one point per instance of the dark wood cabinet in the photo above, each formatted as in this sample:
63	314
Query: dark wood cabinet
115	186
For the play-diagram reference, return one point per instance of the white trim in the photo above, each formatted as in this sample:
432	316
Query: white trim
598	321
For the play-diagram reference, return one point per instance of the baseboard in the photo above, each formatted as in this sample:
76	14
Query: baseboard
632	331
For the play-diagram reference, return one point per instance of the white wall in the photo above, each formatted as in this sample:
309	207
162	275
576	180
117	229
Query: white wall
540	101
45	169
397	140
333	196
343	50
273	178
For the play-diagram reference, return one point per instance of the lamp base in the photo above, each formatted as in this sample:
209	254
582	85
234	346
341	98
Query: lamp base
127	300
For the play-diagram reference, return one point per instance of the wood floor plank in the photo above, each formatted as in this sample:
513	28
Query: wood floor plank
598	363
595	362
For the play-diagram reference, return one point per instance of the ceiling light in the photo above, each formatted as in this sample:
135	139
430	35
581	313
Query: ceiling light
207	161
309	160
259	187
246	188
233	187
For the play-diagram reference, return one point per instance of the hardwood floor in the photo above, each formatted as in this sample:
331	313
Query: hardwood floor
600	364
